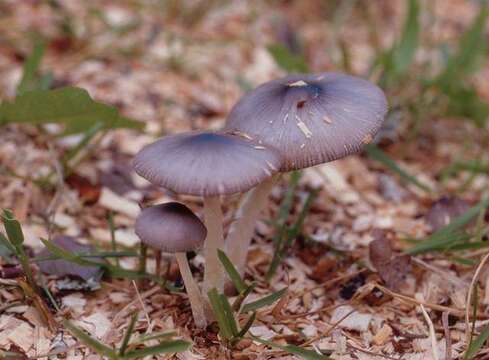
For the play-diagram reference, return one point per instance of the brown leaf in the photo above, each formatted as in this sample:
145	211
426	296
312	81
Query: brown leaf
391	268
444	210
380	251
88	192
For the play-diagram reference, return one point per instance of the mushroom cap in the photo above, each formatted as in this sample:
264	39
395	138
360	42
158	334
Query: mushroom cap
206	163
311	118
171	227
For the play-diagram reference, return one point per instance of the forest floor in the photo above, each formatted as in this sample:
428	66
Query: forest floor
183	68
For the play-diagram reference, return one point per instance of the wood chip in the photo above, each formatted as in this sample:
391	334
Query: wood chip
110	200
355	321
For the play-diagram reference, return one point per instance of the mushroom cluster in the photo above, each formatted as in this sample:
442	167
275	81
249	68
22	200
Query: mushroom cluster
286	124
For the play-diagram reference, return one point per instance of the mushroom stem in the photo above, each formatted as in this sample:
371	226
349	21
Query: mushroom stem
213	273
241	231
193	292
158	262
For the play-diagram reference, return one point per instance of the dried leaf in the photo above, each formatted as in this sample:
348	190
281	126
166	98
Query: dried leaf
392	268
444	211
62	268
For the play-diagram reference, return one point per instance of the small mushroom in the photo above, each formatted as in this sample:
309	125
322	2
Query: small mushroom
310	119
208	164
174	228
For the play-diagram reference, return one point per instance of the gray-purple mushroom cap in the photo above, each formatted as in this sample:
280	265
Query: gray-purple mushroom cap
311	118
206	163
171	227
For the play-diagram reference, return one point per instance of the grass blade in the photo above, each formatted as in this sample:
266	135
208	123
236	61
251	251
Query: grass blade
228	315
286	60
247	325
450	233
165	347
30	79
406	48
242	296
438	243
265	301
375	153
220	314
128	334
294	350
280	238
67	255
92	343
471	50
232	272
477	344
158	335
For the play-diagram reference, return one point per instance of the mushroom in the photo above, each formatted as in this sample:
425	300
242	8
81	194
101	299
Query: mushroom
174	228
311	119
208	164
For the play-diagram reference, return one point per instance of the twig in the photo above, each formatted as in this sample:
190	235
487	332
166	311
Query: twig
454	280
140	299
323	335
434	344
453	311
330	282
448	338
468	301
372	353
144	295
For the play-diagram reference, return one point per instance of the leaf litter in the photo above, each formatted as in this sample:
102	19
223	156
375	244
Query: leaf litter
340	247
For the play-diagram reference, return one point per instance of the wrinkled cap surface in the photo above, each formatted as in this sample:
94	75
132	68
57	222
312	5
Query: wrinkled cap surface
170	227
206	163
311	119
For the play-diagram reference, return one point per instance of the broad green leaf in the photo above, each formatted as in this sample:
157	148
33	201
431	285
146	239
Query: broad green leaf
286	60
295	350
166	347
7	248
375	153
220	314
71	106
477	344
92	343
13	229
232	272
265	301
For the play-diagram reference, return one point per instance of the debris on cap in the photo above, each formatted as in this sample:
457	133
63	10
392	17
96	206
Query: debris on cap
311	118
